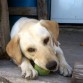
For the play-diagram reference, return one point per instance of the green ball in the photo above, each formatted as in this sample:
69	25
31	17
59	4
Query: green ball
41	71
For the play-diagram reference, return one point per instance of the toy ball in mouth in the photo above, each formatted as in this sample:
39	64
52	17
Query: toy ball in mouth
41	71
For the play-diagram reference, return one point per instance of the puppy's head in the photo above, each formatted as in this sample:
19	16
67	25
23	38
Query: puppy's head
36	43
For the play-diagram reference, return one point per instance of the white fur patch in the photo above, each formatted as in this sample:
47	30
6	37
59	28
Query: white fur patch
16	27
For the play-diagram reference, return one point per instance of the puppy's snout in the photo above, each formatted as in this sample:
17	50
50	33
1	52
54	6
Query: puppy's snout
51	65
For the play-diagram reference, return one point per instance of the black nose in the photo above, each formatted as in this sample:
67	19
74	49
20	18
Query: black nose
51	65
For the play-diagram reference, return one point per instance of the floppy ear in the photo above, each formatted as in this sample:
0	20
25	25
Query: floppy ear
52	27
13	50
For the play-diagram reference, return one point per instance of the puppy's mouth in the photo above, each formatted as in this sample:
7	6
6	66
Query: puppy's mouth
53	70
56	69
33	64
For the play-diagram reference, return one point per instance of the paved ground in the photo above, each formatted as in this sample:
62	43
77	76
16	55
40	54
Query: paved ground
70	43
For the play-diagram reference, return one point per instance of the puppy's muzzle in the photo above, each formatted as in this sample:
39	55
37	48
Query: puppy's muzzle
51	65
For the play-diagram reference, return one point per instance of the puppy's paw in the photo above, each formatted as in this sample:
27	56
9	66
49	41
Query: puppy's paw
29	73
65	69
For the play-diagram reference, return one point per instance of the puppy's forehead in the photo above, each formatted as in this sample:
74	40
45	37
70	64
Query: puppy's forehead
39	30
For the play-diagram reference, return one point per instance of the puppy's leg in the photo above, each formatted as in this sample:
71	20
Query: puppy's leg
27	69
64	67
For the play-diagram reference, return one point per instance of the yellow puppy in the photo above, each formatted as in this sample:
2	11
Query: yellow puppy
36	40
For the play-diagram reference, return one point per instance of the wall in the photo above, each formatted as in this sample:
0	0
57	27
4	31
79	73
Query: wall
67	11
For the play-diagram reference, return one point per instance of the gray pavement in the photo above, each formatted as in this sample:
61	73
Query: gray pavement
70	43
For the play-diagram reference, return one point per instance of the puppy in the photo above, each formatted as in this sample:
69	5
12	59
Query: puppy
36	40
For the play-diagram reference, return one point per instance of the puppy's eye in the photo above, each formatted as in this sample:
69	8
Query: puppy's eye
46	40
31	49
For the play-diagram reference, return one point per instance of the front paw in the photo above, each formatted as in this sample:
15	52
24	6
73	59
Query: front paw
65	69
29	73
